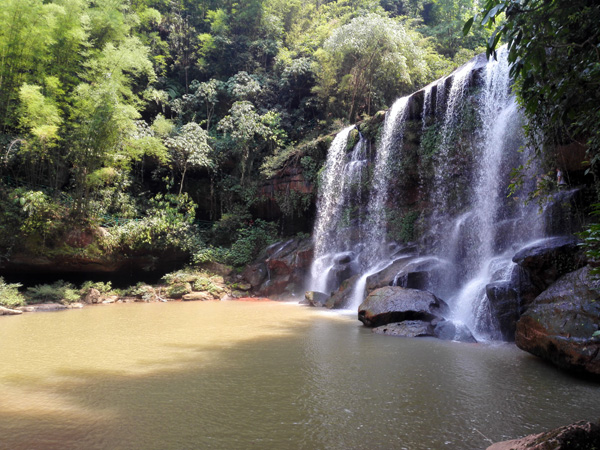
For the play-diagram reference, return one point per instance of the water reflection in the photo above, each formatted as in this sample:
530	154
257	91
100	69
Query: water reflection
263	375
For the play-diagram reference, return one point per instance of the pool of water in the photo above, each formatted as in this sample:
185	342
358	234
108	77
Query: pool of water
266	375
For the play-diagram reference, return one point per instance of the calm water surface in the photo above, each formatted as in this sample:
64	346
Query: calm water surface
229	375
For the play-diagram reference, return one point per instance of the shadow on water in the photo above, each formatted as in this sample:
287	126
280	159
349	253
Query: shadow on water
311	382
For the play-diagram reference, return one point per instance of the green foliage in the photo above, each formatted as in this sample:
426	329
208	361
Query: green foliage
167	224
591	242
100	286
178	290
142	291
59	291
402	226
10	297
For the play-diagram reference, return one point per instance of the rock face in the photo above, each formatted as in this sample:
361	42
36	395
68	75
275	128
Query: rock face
559	325
397	304
578	436
284	269
408	328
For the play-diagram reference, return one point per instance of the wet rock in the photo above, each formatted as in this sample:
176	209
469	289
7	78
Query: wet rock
43	307
413	280
386	277
9	312
449	331
198	296
548	259
343	296
315	298
504	303
255	274
559	325
578	436
396	304
408	328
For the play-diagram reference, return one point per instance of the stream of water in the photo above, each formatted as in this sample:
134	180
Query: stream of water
235	375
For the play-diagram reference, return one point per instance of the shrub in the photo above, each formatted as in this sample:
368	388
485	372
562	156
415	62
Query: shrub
10	296
178	290
59	291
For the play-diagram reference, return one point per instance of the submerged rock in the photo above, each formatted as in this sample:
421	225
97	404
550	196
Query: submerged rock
449	331
315	298
408	328
43	307
397	304
559	325
578	436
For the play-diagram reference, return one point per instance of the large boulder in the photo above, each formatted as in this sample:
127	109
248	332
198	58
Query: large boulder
560	324
548	259
578	436
408	328
396	304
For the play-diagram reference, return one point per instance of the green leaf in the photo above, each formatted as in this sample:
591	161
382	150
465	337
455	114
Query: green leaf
467	26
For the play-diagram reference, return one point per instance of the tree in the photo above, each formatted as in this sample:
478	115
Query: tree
189	148
368	62
249	130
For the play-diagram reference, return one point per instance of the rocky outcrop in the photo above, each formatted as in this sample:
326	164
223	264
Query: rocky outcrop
578	436
396	304
560	324
408	328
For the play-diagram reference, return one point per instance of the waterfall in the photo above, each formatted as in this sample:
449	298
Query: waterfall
474	229
340	190
486	259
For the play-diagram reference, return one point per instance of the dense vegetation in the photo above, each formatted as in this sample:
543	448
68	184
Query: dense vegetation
146	115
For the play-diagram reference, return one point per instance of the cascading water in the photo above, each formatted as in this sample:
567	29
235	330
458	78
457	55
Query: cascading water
486	259
339	197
